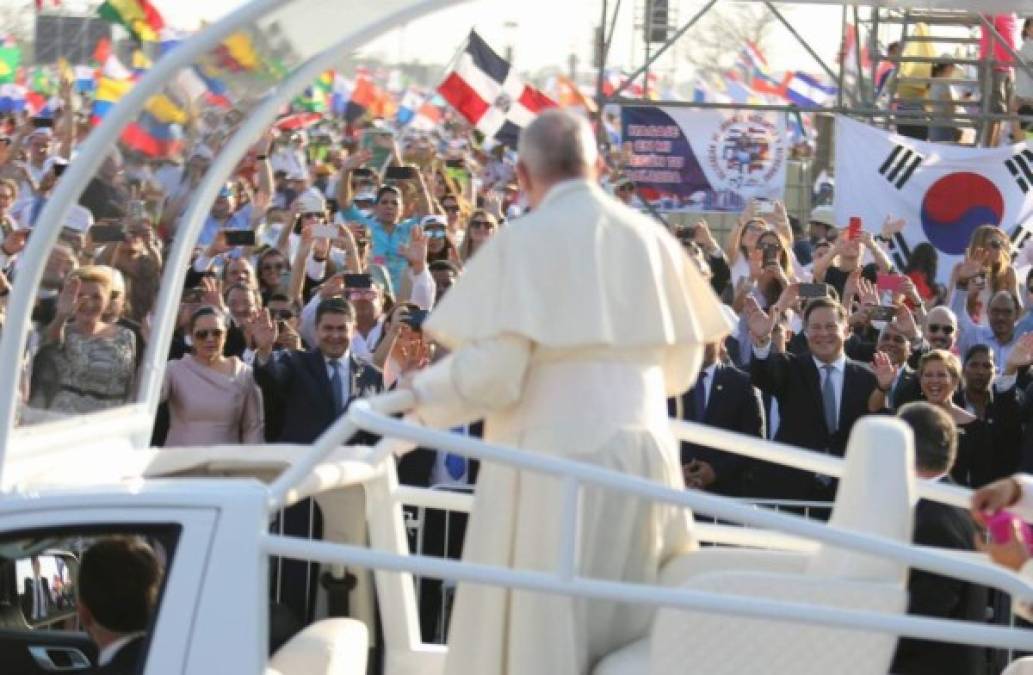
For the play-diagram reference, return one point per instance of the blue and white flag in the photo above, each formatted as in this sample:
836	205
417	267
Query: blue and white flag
808	91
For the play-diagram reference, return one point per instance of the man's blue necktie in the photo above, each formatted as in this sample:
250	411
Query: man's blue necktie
335	386
455	465
700	396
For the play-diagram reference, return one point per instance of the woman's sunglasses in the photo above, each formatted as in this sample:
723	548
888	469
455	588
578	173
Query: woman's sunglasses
486	224
206	333
434	232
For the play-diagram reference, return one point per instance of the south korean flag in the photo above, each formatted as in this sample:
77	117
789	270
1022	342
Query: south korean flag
943	192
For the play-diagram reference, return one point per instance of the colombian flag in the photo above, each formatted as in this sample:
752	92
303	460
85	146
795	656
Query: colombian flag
139	17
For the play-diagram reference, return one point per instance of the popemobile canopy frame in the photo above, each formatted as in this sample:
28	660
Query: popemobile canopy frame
300	38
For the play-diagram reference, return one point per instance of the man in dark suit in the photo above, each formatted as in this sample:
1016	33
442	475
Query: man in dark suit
317	387
118	585
820	395
946	527
36	600
722	397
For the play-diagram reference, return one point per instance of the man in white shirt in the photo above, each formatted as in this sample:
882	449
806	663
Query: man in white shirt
118	588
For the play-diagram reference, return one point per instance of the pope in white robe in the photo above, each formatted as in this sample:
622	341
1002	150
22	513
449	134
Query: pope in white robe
568	330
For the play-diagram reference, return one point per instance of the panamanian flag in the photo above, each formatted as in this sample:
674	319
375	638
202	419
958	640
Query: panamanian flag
943	192
484	88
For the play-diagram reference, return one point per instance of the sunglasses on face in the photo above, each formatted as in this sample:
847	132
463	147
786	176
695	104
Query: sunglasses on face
206	333
451	208
477	224
434	232
941	328
283	314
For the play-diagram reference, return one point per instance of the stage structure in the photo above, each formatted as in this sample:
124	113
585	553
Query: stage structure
858	94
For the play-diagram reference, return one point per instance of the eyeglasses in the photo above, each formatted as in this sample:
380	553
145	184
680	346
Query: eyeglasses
434	232
283	314
206	333
946	329
278	267
486	224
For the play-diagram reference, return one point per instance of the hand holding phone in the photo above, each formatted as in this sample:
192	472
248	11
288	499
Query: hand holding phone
810	291
107	234
1002	528
324	232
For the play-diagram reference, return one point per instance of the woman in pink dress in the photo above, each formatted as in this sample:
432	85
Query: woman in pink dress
213	399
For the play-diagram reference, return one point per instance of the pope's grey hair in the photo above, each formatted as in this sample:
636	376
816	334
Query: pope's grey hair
557	145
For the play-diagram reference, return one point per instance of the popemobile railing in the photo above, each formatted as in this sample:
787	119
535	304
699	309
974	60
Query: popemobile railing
375	415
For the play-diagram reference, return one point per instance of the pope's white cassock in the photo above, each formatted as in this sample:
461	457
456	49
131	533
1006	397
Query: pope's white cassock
568	330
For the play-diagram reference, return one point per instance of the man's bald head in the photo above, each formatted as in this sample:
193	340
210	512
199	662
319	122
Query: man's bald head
941	327
556	146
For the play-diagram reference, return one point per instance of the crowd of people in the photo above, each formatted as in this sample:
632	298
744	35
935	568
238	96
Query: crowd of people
316	267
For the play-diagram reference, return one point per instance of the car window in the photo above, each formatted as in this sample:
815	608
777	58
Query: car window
58	586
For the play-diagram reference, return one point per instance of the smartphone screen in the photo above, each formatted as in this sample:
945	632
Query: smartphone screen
415	318
240	237
854	229
107	234
882	313
324	231
814	290
400	173
358	281
890	283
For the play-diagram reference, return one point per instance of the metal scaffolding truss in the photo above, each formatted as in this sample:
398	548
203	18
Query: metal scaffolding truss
863	100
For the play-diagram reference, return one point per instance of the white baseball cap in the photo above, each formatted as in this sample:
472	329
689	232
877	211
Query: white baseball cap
311	201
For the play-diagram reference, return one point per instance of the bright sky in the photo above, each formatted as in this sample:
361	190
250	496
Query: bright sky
543	33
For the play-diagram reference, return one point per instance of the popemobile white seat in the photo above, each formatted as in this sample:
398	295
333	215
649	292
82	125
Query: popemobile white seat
326	647
876	495
1023	666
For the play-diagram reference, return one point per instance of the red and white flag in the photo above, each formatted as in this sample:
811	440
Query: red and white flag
485	89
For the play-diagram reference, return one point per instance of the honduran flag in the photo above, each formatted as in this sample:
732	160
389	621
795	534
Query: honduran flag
487	91
807	91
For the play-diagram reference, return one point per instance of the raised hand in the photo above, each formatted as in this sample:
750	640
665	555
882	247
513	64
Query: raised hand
867	293
356	159
759	322
263	331
905	322
973	265
1021	354
493	204
884	370
68	300
287	337
211	292
991	498
415	250
15	241
703	236
892	226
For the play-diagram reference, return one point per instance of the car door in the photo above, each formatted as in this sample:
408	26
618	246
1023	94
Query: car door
40	631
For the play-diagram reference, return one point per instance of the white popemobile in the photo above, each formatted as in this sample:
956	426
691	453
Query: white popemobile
782	595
